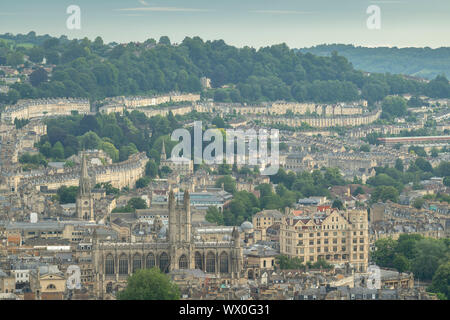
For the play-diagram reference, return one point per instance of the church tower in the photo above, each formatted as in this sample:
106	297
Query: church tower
85	201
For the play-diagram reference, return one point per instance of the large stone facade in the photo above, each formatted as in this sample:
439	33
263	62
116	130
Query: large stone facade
177	247
336	237
29	109
120	175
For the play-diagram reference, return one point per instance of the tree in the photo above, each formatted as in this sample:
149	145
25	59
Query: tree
126	151
401	263
286	262
38	76
149	284
428	256
151	169
110	150
142	182
57	151
399	165
338	204
36	54
213	215
447	181
394	107
164	40
137	203
67	194
90	140
384	253
441	280
418	203
228	184
358	190
423	165
385	193
14	59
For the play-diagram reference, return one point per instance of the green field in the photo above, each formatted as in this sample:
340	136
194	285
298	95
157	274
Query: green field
12	43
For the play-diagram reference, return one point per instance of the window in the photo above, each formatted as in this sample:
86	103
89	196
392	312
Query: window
183	263
123	264
164	262
224	262
198	261
137	262
210	263
150	261
109	265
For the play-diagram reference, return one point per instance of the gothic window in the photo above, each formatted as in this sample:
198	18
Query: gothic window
109	265
150	263
183	263
210	263
198	261
123	264
164	262
224	262
137	262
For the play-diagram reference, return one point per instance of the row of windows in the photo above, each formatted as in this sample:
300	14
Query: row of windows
164	262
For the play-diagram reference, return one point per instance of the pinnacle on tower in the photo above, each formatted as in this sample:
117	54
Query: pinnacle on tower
85	185
186	199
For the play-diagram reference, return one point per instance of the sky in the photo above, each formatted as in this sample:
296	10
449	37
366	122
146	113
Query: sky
256	23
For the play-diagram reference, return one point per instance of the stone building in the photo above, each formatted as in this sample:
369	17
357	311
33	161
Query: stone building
29	109
180	166
174	247
337	237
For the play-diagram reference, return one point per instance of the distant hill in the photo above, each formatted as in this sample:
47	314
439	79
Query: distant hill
419	62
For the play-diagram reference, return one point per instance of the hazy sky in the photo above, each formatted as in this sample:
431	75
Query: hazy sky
299	23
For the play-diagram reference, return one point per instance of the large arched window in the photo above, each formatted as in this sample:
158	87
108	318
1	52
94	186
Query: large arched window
150	261
137	262
51	286
210	262
164	262
123	264
183	262
198	261
109	264
223	262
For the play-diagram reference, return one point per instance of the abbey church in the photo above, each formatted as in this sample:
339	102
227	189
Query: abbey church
176	247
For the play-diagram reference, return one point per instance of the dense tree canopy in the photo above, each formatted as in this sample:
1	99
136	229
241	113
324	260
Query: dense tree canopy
93	69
